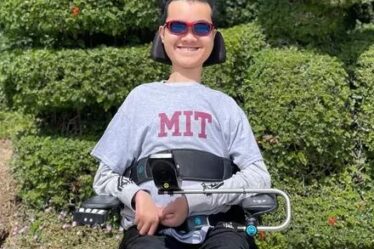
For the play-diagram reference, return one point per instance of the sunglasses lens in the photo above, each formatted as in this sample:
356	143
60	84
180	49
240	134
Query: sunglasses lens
178	27
202	29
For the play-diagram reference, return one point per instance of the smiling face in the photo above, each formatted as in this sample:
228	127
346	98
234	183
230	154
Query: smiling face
188	51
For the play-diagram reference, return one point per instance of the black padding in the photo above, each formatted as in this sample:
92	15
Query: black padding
194	165
200	165
217	56
102	202
260	204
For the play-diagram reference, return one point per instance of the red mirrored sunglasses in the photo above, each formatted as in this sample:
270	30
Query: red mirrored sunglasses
199	28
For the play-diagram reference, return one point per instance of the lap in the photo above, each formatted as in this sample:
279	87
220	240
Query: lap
133	240
217	238
222	238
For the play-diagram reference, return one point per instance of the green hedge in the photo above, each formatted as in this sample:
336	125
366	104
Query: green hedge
15	124
304	22
328	216
242	43
53	171
235	12
364	11
87	23
48	23
297	103
47	80
364	74
357	42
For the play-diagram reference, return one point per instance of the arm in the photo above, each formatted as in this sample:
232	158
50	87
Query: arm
107	182
254	176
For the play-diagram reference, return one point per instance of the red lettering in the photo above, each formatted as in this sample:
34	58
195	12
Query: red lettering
173	124
204	118
188	131
169	123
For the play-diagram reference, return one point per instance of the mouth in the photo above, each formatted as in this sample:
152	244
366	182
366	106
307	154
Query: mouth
188	48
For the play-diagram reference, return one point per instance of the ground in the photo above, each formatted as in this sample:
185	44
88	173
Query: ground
7	191
21	227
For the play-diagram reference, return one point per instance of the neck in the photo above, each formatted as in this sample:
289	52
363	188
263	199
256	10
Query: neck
185	75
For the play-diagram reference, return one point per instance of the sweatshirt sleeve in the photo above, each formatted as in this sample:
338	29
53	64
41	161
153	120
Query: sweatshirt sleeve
107	182
120	144
116	150
244	152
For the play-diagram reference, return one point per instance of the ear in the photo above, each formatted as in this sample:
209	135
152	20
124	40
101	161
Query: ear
161	32
218	54
158	51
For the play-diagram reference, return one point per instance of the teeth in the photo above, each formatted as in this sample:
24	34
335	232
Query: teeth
189	49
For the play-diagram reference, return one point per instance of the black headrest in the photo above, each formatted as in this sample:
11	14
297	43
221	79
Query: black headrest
217	56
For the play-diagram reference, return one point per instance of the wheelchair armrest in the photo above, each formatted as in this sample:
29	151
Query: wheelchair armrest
260	204
102	202
96	210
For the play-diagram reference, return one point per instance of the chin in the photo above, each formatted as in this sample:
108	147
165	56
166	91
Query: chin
189	64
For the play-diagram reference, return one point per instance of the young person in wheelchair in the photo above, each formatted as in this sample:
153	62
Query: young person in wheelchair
197	124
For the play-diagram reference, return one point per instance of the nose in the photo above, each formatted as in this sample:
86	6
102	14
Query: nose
189	36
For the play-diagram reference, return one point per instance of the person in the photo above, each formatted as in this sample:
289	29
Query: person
179	113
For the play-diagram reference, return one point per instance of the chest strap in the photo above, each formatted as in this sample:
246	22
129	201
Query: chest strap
194	165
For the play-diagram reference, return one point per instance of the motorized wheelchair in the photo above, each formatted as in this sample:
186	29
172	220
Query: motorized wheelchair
166	176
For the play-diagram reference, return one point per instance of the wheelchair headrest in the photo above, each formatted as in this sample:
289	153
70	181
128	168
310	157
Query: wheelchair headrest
217	56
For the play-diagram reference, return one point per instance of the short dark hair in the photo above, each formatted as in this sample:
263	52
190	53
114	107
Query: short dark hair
165	6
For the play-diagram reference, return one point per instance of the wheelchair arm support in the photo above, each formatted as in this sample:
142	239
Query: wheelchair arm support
262	202
96	209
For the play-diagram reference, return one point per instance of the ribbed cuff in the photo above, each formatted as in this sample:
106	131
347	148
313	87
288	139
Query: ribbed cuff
128	193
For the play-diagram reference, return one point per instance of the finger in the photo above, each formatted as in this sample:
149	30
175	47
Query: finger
153	229
139	226
144	230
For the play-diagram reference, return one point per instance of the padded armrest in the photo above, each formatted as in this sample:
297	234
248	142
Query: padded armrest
102	202
260	204
97	210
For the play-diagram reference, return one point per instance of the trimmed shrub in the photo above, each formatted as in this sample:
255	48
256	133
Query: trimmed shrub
235	12
335	216
242	43
364	74
364	11
87	23
357	42
50	23
297	103
53	171
47	80
304	22
14	124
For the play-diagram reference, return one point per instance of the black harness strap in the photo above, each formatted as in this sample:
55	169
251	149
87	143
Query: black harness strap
194	165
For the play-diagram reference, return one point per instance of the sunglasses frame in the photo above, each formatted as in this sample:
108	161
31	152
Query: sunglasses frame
190	26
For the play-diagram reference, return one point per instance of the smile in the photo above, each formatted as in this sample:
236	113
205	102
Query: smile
189	49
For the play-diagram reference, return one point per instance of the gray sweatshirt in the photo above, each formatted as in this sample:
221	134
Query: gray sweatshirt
160	116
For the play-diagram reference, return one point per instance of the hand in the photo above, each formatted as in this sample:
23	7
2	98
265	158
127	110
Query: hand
175	213
146	213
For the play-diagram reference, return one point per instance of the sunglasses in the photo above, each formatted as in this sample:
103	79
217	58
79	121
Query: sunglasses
199	28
